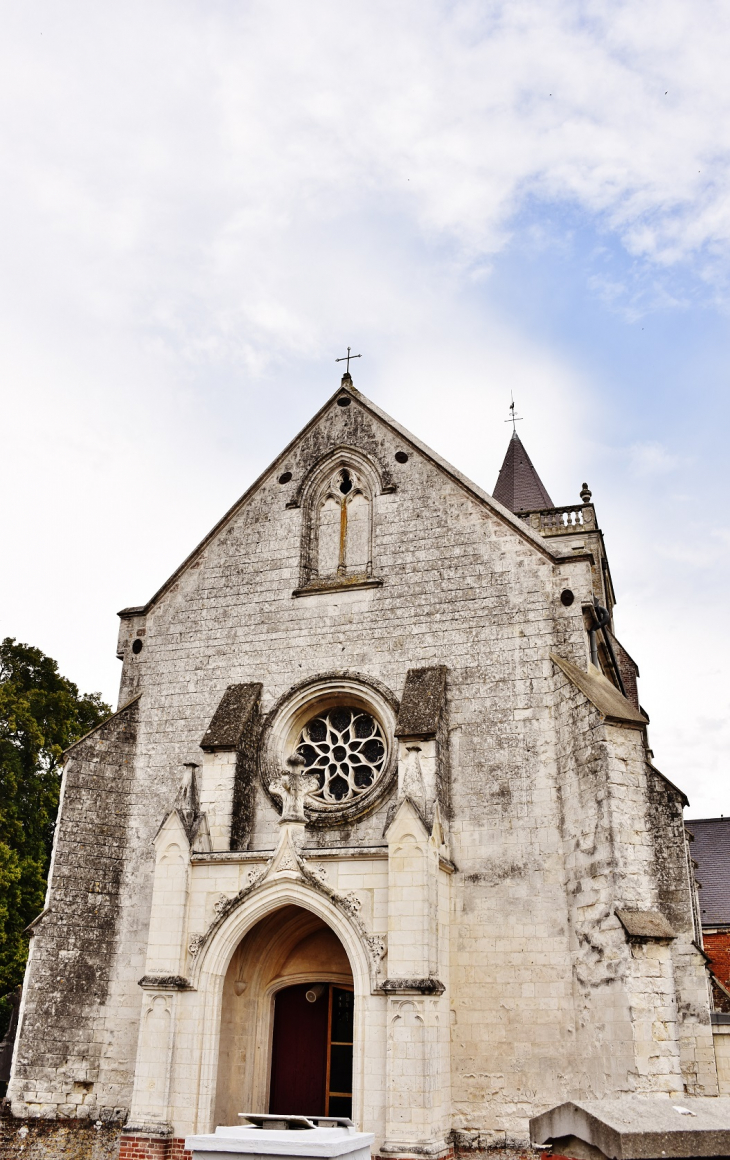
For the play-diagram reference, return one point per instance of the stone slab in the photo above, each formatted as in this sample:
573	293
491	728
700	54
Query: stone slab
641	1127
230	718
601	693
261	1142
423	701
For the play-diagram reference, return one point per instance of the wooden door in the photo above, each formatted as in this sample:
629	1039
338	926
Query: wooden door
311	1064
339	1051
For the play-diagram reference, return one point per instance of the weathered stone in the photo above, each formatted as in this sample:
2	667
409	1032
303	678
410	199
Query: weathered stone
71	1139
423	702
601	693
637	1128
644	924
486	848
231	717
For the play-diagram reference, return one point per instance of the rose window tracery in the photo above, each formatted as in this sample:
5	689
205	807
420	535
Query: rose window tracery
345	749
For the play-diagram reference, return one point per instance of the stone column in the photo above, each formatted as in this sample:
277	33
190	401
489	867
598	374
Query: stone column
417	1029
151	1096
168	914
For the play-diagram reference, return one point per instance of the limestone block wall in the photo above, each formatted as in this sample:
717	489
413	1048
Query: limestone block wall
59	1047
642	1020
721	1039
671	868
217	790
540	983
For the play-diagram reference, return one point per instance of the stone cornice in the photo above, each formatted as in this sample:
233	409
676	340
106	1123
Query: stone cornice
413	987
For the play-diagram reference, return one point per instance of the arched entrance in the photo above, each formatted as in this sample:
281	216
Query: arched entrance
286	1020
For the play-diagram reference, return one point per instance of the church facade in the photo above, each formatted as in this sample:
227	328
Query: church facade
376	830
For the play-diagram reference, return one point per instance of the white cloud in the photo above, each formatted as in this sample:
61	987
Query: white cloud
203	202
183	152
651	459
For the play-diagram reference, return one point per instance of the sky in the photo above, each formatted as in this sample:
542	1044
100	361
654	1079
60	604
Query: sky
204	203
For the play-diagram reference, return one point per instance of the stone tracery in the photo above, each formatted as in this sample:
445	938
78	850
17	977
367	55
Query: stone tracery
345	750
338	536
343	526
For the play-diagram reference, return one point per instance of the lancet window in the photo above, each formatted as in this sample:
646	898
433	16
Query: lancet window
343	526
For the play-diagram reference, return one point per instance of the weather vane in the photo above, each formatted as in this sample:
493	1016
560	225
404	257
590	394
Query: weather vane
513	419
347	357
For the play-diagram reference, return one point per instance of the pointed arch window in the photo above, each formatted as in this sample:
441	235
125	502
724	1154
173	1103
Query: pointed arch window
343	525
340	499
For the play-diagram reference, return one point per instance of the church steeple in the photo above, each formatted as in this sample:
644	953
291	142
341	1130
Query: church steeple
518	486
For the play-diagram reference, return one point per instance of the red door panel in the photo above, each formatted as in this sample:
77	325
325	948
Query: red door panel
299	1056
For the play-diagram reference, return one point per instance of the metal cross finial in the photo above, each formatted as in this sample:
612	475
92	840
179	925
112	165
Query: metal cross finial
513	419
347	357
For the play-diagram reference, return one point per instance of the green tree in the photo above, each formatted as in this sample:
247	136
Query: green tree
41	714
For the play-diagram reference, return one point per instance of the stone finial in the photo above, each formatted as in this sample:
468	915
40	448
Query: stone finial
585	493
292	788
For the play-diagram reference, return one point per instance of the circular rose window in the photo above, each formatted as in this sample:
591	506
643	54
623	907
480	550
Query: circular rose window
345	749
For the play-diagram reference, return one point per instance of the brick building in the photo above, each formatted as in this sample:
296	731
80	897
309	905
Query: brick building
710	849
376	828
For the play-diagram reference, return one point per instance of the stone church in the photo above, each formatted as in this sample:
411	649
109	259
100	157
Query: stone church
376	830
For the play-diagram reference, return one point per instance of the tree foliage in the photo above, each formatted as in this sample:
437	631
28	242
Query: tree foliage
41	714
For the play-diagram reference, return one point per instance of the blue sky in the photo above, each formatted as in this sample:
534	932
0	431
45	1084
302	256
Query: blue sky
203	204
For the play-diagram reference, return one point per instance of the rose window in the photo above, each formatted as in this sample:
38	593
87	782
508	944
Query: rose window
345	749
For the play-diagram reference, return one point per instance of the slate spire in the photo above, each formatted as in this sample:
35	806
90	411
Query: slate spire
518	486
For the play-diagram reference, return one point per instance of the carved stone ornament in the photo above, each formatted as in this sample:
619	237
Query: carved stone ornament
351	903
344	749
288	858
164	983
195	944
377	946
288	862
292	788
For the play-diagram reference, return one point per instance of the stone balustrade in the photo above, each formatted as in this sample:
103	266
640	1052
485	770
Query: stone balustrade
561	521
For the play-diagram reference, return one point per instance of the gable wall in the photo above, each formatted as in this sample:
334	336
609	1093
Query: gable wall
461	588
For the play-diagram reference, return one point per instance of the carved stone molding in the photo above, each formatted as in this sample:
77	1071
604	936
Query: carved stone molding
289	860
196	942
377	946
165	983
413	987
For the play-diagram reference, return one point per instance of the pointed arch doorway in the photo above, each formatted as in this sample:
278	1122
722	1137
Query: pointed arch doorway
287	1018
